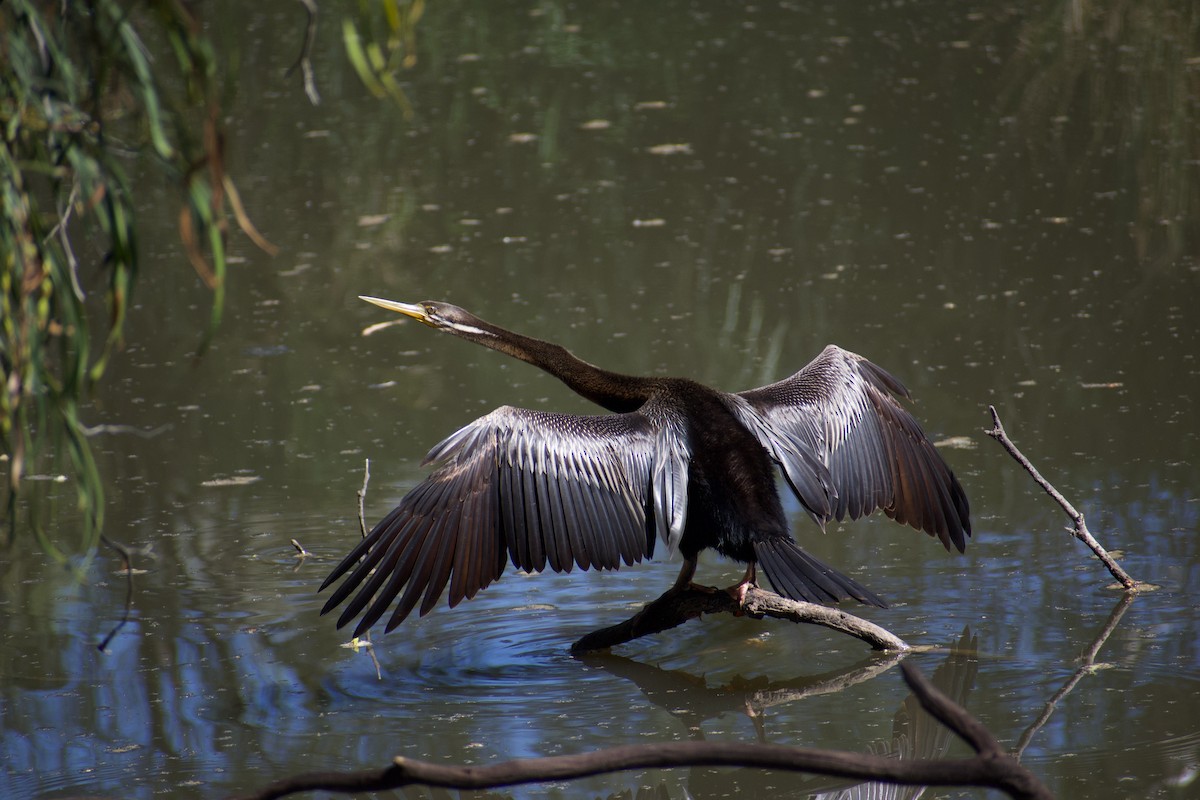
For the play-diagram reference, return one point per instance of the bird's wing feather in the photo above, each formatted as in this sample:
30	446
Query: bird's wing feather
845	409
803	468
539	489
671	458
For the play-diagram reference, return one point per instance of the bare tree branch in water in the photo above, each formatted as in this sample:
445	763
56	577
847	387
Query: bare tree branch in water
1080	530
677	606
989	767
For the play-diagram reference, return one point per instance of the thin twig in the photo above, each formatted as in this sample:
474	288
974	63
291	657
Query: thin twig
365	639
64	217
677	606
991	768
128	559
362	497
1080	530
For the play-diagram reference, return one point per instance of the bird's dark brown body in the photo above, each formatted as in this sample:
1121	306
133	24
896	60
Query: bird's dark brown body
732	496
674	460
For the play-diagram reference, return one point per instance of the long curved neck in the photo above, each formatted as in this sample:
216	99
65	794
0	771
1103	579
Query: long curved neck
611	390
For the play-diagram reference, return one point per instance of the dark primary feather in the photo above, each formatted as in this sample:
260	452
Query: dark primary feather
678	461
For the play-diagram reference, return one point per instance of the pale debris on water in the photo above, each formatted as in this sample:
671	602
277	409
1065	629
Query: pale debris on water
670	149
378	326
237	480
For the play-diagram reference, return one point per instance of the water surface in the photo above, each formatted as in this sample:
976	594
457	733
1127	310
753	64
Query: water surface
664	189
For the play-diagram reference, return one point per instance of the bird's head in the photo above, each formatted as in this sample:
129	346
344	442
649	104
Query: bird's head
435	314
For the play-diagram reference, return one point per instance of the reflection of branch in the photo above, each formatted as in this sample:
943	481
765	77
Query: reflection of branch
990	767
677	606
762	699
1080	531
124	553
690	698
1087	666
305	61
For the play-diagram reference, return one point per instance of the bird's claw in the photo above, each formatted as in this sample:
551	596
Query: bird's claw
739	592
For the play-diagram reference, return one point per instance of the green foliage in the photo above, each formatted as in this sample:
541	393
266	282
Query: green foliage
395	23
78	82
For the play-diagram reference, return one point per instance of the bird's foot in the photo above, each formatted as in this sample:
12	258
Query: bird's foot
739	592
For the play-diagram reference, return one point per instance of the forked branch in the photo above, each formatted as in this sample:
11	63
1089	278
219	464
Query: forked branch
990	767
1080	530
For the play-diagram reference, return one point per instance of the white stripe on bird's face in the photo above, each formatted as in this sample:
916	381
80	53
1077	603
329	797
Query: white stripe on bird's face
470	329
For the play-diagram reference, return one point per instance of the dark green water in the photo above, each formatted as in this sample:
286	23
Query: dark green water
998	205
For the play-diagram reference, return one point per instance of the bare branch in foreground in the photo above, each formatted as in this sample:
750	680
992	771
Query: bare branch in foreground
1080	530
990	767
677	606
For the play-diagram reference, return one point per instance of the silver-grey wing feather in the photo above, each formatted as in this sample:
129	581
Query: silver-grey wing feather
846	410
531	487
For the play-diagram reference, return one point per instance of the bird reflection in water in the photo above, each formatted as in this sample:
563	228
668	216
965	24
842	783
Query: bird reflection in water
674	460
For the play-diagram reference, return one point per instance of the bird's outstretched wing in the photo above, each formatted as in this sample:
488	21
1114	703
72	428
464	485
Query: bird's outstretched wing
845	409
536	488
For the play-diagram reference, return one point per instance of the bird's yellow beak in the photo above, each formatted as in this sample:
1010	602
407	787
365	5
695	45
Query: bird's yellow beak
407	309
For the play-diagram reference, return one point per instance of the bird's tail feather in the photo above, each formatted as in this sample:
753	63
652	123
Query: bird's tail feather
798	576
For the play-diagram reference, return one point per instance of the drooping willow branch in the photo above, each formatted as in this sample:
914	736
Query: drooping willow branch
677	606
1080	530
990	766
